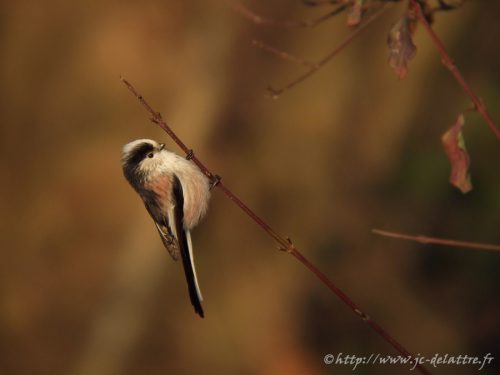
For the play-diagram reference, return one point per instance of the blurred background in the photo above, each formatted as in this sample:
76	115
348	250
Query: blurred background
85	285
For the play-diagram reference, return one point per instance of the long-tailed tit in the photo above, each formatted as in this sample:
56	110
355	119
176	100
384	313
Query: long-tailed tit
176	194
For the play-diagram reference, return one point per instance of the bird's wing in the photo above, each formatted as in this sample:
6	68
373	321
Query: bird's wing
176	220
154	197
168	240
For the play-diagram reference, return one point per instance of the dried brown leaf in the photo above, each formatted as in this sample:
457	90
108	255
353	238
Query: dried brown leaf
454	146
401	47
450	4
354	13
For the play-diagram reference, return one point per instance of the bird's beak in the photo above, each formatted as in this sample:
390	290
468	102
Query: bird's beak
162	146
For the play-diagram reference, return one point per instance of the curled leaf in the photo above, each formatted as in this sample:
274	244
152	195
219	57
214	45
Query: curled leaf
449	4
354	13
401	47
454	146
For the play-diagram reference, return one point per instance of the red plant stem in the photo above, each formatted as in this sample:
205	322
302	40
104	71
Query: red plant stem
437	241
260	20
277	92
285	244
282	54
450	65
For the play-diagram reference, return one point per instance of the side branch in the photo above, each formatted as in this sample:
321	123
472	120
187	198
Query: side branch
283	55
450	65
437	241
260	20
317	66
285	244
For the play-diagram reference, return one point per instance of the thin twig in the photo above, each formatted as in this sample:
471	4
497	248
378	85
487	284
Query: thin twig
450	65
437	241
315	3
260	20
277	92
283	55
285	244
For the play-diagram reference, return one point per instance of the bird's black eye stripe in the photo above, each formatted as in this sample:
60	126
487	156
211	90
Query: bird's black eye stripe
140	152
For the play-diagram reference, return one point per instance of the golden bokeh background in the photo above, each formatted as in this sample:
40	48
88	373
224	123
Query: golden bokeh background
86	287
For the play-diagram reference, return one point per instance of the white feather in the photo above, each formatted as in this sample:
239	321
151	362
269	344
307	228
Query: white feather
190	246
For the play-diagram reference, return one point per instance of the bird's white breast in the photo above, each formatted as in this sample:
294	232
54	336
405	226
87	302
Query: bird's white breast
195	185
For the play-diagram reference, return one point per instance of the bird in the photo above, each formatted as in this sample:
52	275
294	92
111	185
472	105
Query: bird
175	193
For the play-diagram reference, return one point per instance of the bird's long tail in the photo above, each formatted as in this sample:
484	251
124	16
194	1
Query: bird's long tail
186	246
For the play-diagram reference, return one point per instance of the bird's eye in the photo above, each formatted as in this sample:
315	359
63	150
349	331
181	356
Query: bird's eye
150	155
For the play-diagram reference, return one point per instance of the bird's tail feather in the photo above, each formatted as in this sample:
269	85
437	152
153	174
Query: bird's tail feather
187	259
190	247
